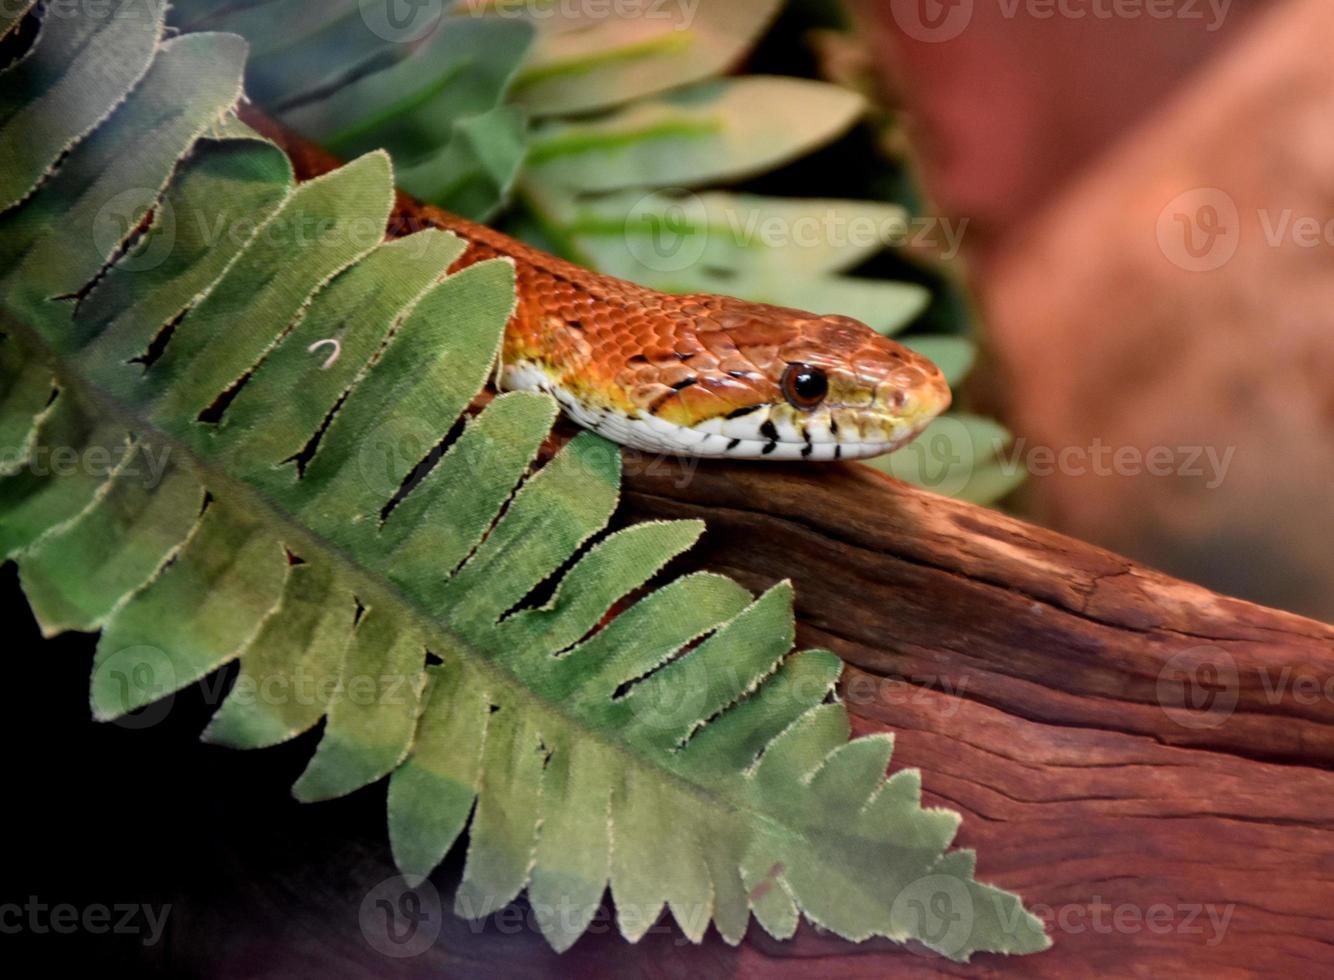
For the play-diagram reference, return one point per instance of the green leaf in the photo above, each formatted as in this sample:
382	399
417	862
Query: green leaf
720	130
302	48
79	69
412	108
372	717
26	387
335	341
290	672
993	482
121	540
738	233
71	454
431	795
955	356
585	61
958	455
263	440
885	306
197	14
90	209
276	25
196	616
475	171
768	250
337	74
322	228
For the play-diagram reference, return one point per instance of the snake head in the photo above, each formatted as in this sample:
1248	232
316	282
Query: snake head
880	394
769	382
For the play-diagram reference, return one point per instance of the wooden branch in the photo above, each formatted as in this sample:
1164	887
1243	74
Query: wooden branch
1147	762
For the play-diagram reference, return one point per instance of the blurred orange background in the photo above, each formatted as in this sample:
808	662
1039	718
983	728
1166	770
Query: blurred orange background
1149	186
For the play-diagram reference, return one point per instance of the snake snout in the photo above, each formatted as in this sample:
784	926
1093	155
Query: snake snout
917	398
908	411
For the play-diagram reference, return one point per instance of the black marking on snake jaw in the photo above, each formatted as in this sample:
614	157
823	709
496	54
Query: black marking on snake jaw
769	447
806	450
736	413
838	451
666	396
732	445
833	426
770	432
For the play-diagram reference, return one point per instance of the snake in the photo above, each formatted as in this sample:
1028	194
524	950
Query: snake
682	375
702	374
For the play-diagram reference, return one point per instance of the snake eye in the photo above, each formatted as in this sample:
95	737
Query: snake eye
804	386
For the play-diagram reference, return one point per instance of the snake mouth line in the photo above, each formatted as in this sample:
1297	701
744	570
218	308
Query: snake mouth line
643	434
755	436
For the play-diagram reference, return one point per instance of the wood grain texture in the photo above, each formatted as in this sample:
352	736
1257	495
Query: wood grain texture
1147	762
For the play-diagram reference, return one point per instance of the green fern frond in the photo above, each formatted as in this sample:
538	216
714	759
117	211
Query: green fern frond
226	406
630	109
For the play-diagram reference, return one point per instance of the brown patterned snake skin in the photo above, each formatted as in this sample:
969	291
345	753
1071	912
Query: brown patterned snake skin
697	375
703	375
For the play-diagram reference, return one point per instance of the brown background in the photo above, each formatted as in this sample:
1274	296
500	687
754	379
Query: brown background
1063	141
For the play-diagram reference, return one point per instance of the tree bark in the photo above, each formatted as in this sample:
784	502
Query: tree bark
1145	761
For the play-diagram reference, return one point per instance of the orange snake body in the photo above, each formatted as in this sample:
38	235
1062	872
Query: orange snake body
701	375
